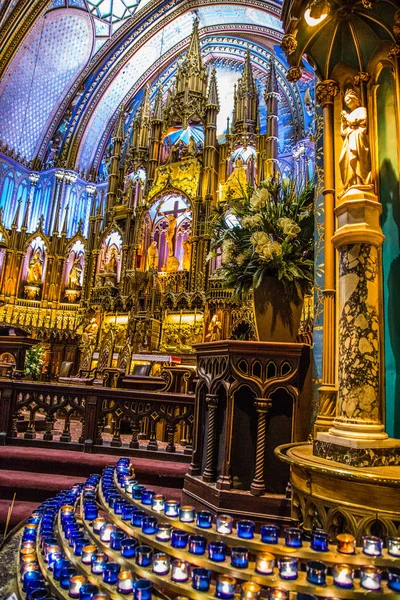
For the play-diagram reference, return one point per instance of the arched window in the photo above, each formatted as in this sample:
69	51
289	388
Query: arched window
6	199
36	207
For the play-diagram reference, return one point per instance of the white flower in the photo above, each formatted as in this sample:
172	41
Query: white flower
259	199
240	259
252	221
227	249
289	227
259	238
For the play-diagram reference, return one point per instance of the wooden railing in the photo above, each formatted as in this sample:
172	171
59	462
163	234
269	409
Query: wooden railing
91	419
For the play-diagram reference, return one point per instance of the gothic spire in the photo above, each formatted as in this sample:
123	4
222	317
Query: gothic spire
16	216
272	82
247	79
26	216
64	229
119	130
193	61
212	97
158	106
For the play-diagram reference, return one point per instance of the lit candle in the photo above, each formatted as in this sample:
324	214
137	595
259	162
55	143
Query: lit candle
343	576
201	579
164	532
67	509
370	577
288	567
106	531
224	524
278	593
161	563
99	561
28	551
265	563
225	587
316	572
187	514
101	596
346	543
87	552
29	545
240	557
372	545
125	582
129	484
158	502
98	524
393	544
179	570
171	508
245	529
75	584
28	563
250	591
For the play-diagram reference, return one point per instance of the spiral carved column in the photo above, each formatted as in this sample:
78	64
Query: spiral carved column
262	407
210	471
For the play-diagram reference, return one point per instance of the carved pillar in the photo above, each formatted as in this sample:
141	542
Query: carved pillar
326	92
394	55
210	471
262	407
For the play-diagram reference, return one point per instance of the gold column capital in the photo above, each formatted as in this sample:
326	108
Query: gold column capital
326	91
361	77
394	52
289	43
294	74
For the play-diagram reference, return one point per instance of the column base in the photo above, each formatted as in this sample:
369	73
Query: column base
357	453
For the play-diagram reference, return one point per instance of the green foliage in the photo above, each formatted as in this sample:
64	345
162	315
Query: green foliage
270	231
34	361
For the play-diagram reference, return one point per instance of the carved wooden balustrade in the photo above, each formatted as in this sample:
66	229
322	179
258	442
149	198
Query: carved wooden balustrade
165	418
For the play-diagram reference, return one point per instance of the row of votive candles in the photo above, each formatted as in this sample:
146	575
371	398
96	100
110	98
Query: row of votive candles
319	540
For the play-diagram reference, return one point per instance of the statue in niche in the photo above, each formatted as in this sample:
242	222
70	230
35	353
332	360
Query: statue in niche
355	158
89	334
152	256
170	233
75	275
214	332
35	269
187	253
111	262
190	149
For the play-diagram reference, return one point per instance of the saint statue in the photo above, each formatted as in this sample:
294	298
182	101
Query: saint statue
187	253
152	256
111	262
214	331
35	269
170	234
355	158
90	332
75	275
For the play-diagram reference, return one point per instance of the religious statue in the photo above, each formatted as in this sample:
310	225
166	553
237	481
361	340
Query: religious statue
35	269
187	253
111	262
170	234
89	335
190	149
152	256
355	158
75	275
214	331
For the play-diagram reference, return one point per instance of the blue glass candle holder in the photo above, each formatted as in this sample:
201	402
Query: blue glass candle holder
125	582
29	533
316	572
217	551
87	591
52	558
88	552
149	525
142	589
179	538
157	503
143	556
110	573
179	570
130	484
38	592
29	577
239	557
138	517
128	547
319	541
106	531
59	565
288	567
187	514
269	534
112	499
293	537
197	544
116	539
147	497
372	545
65	575
70	528
163	533
394	579
99	562
171	508
204	519
161	563
90	511
225	587
79	544
119	503
127	512
137	492
74	537
224	524
201	579
343	576
245	529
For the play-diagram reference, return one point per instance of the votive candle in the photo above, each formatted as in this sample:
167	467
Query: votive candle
171	508
98	524
217	551
138	517
278	593
65	576
346	543
87	552
161	563
316	572
179	538
319	541
372	545
147	497
293	537
88	591
288	567
164	532
142	589
370	577
240	557
201	579
250	591
128	547
143	556
187	514
245	529
149	525
394	579
158	502
225	587
204	519
99	561
224	524
125	582
110	573
197	544
75	584
179	570
269	534
393	545
265	563
106	531
116	538
343	576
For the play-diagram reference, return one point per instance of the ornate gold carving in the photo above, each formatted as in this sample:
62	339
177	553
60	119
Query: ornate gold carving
183	175
326	91
361	77
289	43
394	52
294	74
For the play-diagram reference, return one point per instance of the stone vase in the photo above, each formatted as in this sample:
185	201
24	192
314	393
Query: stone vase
277	317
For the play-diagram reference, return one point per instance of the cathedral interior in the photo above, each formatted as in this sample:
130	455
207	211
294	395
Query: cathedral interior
199	331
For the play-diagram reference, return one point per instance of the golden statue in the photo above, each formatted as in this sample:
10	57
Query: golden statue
214	332
170	233
152	256
355	158
187	253
35	269
75	275
89	335
111	263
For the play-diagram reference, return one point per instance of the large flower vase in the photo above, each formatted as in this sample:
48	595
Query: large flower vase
277	315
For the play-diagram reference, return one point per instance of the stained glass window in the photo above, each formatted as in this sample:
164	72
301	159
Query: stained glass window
112	10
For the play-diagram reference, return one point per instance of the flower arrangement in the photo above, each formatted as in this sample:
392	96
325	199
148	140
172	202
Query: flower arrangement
269	231
34	361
